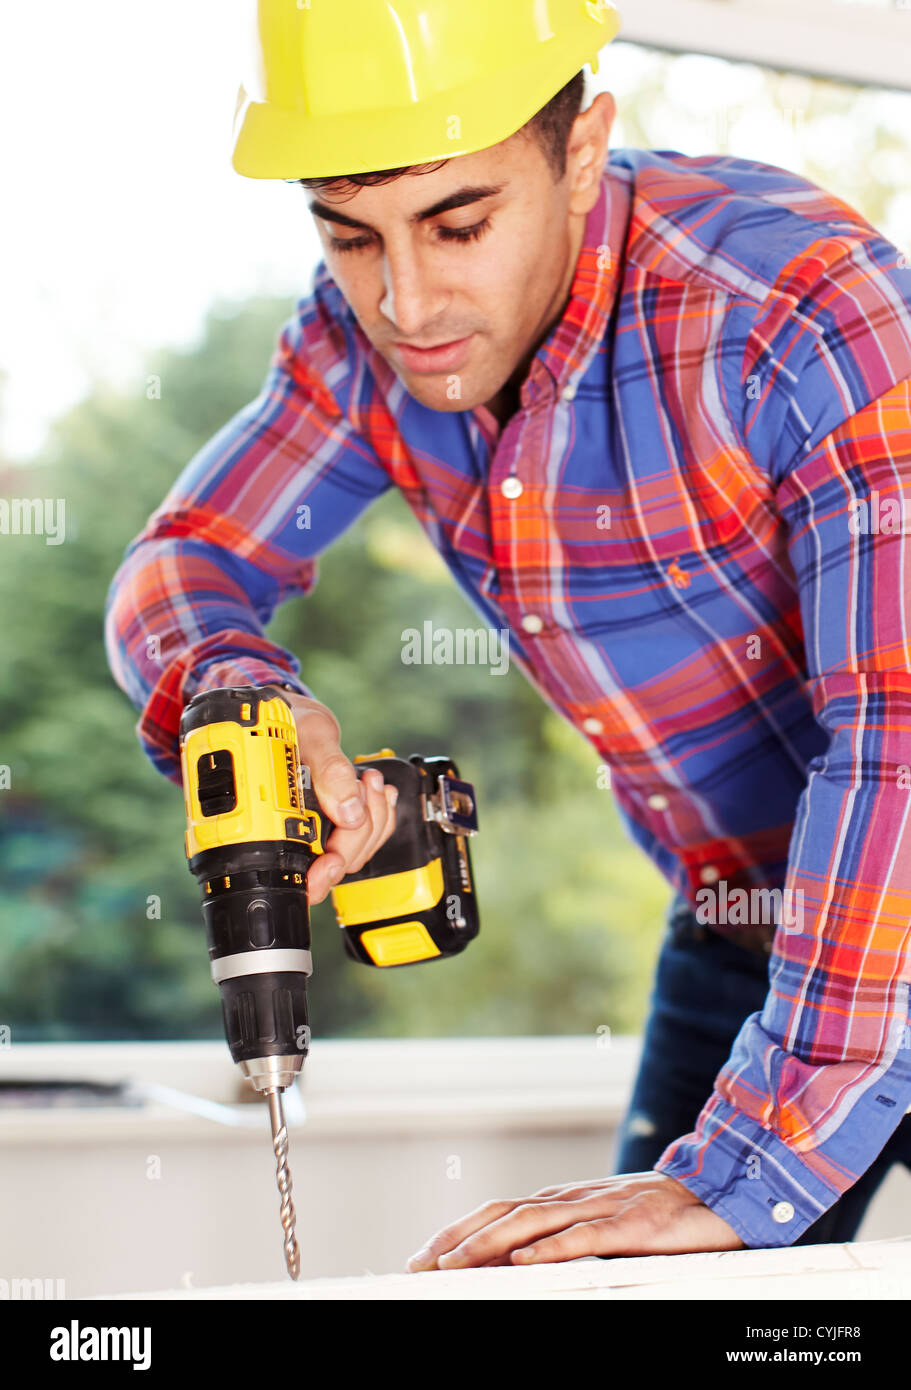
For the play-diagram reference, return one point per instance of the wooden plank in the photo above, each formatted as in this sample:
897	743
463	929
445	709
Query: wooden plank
870	1270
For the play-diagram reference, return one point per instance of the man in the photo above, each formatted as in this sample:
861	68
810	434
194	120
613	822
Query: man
650	409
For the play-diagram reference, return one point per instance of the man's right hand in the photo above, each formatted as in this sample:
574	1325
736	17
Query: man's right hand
362	809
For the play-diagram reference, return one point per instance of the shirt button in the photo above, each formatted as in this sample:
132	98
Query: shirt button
782	1212
532	623
709	873
511	487
569	393
592	725
658	802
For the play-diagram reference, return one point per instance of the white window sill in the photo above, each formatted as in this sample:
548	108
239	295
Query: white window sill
481	1085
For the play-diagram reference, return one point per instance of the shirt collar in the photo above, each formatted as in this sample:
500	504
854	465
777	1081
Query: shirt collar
568	351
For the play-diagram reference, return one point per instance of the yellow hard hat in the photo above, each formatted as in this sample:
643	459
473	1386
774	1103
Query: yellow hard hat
348	86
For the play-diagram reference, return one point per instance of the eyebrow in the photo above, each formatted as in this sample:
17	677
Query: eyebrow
460	199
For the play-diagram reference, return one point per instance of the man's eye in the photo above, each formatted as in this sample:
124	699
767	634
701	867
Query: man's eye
457	234
353	243
465	233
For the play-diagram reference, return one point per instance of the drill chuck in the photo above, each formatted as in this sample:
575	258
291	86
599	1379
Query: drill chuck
258	933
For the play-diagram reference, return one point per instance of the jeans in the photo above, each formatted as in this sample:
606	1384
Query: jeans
705	987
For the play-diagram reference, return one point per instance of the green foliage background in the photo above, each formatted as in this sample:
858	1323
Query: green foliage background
570	909
89	831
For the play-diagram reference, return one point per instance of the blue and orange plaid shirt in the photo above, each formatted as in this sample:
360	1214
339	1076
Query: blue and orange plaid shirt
685	529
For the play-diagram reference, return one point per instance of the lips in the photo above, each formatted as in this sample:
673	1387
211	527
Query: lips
445	357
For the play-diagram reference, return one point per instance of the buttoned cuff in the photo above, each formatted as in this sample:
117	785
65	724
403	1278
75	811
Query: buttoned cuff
748	1176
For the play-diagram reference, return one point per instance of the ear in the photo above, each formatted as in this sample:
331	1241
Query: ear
586	152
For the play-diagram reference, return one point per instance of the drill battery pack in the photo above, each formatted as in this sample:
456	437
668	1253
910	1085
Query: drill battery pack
414	899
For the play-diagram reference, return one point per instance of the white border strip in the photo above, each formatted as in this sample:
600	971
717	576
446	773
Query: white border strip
848	42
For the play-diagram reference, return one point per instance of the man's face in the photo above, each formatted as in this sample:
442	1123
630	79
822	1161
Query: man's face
479	254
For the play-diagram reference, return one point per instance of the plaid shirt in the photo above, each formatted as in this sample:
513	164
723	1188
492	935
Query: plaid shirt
670	528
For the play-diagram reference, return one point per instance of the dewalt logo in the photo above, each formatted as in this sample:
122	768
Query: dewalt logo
291	769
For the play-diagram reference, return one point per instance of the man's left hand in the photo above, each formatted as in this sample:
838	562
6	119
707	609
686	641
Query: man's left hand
632	1214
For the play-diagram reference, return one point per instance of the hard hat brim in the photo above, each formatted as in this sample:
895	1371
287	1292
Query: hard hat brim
273	142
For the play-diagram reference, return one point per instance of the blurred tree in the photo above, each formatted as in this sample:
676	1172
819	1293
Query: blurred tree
100	927
89	833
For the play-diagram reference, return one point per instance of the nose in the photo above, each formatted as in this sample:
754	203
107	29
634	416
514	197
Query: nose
411	300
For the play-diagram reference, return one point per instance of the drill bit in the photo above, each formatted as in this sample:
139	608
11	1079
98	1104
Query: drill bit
283	1178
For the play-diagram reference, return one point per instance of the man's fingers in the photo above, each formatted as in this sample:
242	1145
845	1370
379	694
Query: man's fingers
356	846
611	1190
333	781
332	776
361	810
349	850
330	868
377	819
631	1183
324	873
526	1223
632	1214
336	786
570	1189
477	1224
608	1235
453	1235
661	1222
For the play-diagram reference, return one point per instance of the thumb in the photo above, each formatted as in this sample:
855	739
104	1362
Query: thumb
333	777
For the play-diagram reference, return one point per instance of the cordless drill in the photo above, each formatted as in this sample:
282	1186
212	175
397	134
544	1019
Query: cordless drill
254	827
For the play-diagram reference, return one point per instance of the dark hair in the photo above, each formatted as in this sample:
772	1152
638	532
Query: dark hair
550	127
